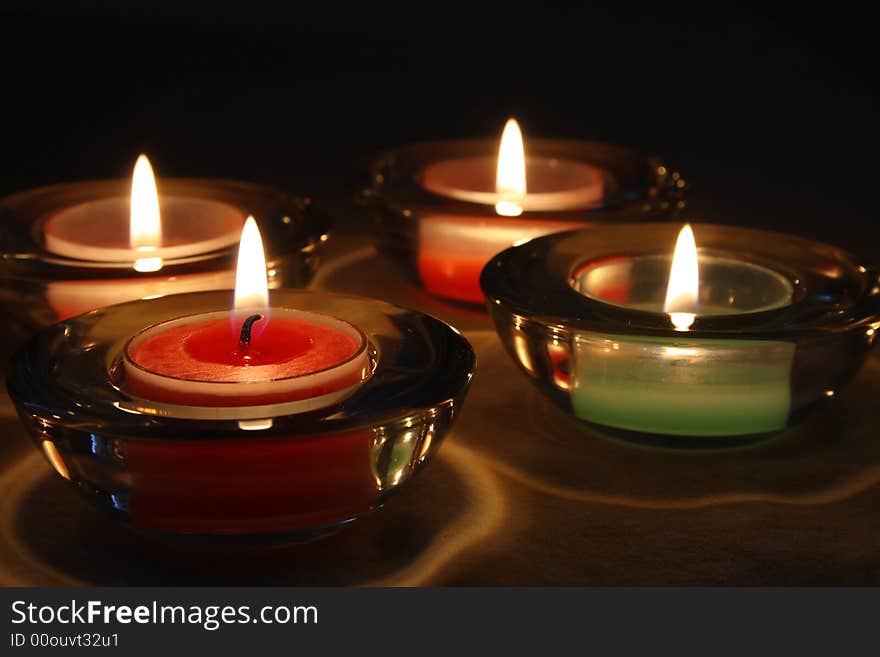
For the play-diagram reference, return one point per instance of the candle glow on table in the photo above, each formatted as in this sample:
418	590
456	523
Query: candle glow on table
142	230
681	386
454	248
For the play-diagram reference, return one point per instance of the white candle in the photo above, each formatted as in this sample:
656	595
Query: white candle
534	183
98	231
144	229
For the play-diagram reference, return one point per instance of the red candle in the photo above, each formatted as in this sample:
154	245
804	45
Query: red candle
453	249
255	485
252	356
201	360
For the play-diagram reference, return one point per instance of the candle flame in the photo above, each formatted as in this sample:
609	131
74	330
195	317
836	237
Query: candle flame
510	177
684	281
145	223
251	284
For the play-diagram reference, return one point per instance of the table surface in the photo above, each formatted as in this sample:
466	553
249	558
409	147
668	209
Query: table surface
519	494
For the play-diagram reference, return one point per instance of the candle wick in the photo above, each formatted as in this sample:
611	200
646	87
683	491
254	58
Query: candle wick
244	338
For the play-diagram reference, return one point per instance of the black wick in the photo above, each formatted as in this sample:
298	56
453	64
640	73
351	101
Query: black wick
245	338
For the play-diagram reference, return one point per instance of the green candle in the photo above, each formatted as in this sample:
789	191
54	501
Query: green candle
677	384
687	387
683	346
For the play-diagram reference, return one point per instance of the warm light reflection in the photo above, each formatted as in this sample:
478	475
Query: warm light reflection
426	442
521	348
255	425
681	352
251	285
510	177
145	223
55	459
560	358
684	281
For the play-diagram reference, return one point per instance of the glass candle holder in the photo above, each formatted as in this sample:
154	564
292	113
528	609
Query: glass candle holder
782	323
283	471
433	204
48	274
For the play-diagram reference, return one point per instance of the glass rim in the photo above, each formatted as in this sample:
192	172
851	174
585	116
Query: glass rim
24	255
63	383
635	183
546	264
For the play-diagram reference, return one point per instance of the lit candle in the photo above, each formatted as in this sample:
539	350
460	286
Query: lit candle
253	355
453	248
286	414
681	385
690	347
514	182
442	209
143	231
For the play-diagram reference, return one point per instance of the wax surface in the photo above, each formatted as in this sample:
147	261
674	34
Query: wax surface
99	230
210	351
552	184
728	286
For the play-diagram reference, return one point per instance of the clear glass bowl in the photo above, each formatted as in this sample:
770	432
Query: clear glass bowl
278	472
783	323
444	242
37	288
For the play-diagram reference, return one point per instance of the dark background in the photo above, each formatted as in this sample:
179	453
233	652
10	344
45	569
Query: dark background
768	110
